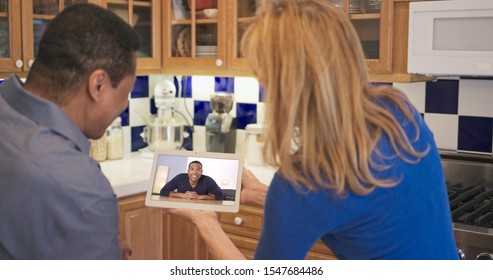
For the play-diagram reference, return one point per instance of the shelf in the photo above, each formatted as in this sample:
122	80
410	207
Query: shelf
197	21
246	19
43	17
142	4
364	16
400	78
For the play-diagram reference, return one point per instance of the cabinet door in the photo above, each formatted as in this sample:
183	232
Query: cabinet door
240	14
373	22
141	228
194	36
144	17
36	16
10	36
182	240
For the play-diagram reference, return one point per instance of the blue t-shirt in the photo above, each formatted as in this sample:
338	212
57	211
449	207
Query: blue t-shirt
181	184
408	221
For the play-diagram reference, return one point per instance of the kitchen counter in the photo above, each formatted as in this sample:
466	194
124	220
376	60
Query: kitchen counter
131	174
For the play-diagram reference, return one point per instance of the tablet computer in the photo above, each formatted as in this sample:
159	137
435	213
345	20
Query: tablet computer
198	180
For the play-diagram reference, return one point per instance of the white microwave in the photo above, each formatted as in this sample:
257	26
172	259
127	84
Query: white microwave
451	38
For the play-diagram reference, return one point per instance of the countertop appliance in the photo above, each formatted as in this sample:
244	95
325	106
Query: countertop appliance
165	130
451	38
220	126
470	189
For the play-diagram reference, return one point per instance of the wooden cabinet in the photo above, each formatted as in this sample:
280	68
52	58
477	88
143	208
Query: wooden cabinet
145	17
22	24
141	228
182	240
198	43
240	14
194	43
398	42
243	228
372	21
153	235
10	36
382	26
188	35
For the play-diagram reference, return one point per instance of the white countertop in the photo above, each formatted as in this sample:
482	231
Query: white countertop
131	174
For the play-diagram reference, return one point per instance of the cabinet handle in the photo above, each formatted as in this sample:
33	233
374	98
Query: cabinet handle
19	63
238	221
30	63
219	62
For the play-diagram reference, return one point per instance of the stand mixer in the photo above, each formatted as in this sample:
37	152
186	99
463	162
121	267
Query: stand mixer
165	130
220	127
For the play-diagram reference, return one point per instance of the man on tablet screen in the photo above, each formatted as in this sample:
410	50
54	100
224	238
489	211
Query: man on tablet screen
193	185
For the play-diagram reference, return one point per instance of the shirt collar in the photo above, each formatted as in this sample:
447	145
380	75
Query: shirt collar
43	112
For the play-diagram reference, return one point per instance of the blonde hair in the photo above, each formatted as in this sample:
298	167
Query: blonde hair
309	59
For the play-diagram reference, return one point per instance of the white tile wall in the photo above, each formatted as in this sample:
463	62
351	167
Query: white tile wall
476	98
138	109
415	92
246	90
445	129
203	87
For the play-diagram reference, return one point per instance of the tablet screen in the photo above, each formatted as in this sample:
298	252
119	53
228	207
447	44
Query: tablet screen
199	180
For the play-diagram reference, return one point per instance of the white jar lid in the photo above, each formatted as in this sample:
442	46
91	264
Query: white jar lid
256	128
117	120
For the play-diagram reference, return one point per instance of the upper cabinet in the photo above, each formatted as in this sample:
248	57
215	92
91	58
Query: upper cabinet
20	32
372	20
382	26
22	24
145	17
240	14
10	36
202	37
194	40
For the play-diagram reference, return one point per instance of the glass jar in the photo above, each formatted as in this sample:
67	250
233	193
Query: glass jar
98	149
114	139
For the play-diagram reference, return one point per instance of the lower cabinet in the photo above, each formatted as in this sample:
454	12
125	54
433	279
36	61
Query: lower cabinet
182	240
153	235
243	228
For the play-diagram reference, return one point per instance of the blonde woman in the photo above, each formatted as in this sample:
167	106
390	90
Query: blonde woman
358	167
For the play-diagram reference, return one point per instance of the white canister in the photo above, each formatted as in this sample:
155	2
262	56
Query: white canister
114	139
255	138
98	149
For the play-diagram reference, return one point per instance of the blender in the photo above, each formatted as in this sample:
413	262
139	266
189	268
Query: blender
220	126
165	130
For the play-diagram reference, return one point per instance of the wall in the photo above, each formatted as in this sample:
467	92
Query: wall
459	111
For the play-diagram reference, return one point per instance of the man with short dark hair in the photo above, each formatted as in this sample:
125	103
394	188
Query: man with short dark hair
193	185
55	203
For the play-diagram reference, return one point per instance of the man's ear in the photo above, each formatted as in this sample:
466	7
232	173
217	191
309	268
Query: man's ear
97	82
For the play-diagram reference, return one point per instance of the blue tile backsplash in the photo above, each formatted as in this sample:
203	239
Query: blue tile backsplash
475	134
459	111
246	114
141	87
201	111
186	87
224	84
442	97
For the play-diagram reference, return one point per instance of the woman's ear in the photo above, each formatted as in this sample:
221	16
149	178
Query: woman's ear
97	82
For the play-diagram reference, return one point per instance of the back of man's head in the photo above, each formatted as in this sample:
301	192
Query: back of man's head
81	39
